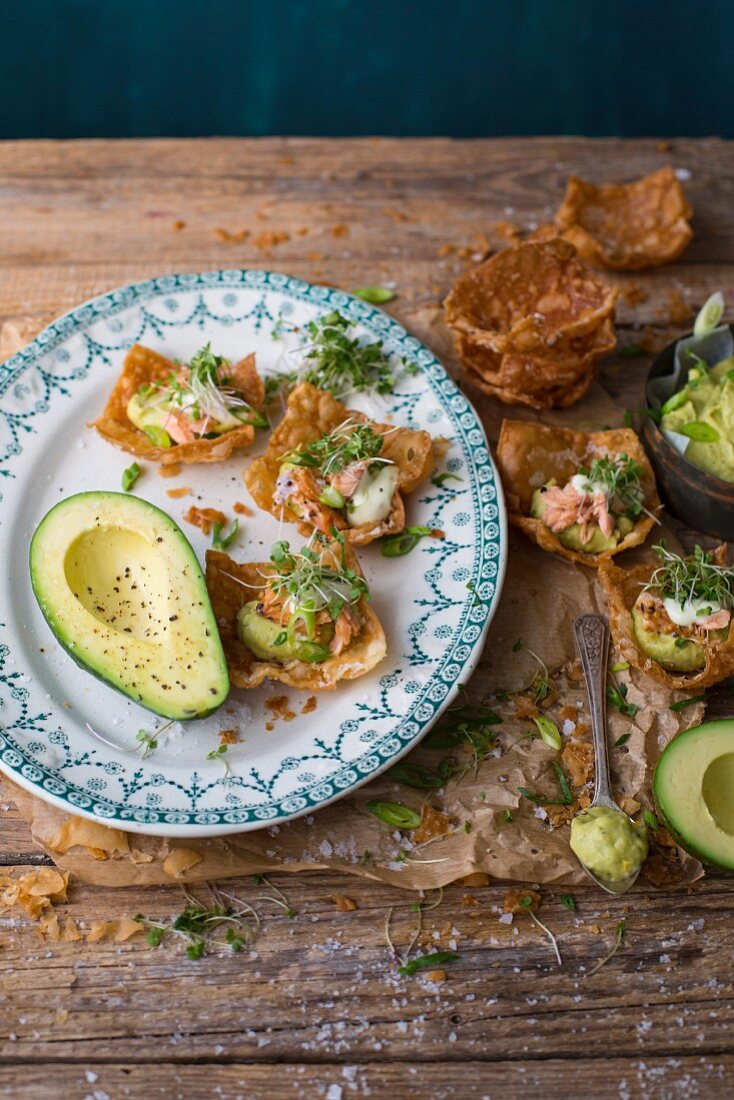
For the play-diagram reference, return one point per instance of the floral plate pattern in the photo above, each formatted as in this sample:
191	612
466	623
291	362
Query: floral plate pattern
70	739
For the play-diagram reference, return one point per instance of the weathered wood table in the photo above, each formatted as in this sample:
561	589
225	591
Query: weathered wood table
317	1010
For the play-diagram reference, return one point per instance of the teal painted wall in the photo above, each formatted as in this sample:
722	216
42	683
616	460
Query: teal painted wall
111	68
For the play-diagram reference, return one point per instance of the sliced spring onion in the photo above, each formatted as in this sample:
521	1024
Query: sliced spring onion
374	294
426	962
332	498
130	476
700	432
413	775
709	315
396	546
396	814
223	543
548	730
159	437
675	401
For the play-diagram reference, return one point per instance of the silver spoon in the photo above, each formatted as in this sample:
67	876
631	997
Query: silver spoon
592	639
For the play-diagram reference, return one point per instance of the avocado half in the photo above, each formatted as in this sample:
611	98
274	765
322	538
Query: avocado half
693	785
123	592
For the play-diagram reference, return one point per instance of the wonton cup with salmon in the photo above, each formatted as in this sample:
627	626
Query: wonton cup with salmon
673	618
303	618
583	496
330	468
531	323
626	226
171	412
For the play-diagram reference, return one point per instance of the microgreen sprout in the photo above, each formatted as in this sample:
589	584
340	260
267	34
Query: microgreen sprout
342	363
149	741
621	479
527	905
568	902
220	754
697	577
619	933
350	442
439	480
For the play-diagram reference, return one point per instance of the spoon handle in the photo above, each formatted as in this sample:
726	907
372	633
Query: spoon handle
592	639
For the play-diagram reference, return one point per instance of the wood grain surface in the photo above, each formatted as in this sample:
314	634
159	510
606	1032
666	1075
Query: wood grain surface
315	1008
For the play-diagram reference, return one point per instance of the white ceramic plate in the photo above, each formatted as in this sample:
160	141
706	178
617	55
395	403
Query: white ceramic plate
435	603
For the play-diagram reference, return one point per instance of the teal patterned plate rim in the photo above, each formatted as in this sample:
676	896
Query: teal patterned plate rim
70	739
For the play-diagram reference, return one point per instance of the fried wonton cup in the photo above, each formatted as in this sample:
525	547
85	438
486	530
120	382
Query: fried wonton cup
312	413
557	379
232	584
529	455
531	323
622	588
627	226
142	366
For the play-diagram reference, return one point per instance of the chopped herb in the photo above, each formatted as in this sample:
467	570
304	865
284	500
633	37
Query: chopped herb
220	542
617	695
563	784
569	902
651	821
427	962
414	775
517	646
549	732
467	826
374	294
631	351
439	480
396	546
507	815
130	476
683	703
395	814
621	666
621	740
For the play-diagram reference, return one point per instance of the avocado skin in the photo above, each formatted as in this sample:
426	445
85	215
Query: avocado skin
109	677
677	832
571	536
259	633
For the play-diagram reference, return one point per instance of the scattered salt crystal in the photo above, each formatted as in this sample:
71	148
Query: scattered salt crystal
326	849
506	918
452	1036
334	1092
568	726
540	813
90	1076
682	173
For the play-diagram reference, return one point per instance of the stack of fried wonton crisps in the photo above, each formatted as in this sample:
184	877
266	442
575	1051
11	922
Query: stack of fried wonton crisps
531	323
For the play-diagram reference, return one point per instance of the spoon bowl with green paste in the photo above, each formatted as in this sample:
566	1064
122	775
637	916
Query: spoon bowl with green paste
609	845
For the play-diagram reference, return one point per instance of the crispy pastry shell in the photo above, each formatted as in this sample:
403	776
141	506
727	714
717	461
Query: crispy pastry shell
622	587
627	226
143	365
228	595
529	455
311	413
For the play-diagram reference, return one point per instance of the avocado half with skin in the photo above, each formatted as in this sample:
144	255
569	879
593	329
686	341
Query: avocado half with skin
693	785
123	592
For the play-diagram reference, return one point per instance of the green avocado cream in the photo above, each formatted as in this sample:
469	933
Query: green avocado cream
706	399
608	843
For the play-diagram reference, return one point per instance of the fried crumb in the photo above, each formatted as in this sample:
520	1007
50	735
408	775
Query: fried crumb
228	237
269	238
178	226
309	705
578	759
468	900
340	230
446	250
512	901
678	312
172	470
435	976
205	518
181	491
228	737
343	904
398	215
241	509
634	294
302	232
508	231
315	257
433	823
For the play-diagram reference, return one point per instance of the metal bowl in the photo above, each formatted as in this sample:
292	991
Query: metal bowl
698	498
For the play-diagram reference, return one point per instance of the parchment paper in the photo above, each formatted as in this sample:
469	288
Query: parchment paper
542	597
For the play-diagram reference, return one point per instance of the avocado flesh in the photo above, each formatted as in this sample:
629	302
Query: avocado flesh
692	785
688	656
147	416
570	537
122	590
258	633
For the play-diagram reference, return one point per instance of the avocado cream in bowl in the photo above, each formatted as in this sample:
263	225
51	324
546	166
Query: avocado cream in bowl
689	432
